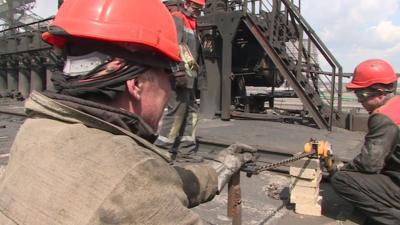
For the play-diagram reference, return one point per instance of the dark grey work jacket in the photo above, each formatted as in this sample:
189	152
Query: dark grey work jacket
71	168
381	150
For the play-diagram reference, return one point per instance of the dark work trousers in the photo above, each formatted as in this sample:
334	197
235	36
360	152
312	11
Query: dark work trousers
178	126
375	195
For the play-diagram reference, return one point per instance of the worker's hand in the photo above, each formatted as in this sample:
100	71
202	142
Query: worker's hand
332	165
230	160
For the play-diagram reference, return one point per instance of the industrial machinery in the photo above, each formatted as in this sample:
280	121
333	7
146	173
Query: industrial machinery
25	60
266	43
245	44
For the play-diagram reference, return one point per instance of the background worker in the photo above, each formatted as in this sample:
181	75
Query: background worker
173	5
84	154
371	181
178	126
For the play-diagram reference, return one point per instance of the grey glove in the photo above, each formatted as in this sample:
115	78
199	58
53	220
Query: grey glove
230	160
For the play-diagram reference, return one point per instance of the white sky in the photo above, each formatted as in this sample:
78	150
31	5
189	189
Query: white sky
353	30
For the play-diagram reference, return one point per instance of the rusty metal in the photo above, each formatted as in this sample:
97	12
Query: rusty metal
235	199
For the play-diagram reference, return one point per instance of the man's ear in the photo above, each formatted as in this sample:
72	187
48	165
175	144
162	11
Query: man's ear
134	88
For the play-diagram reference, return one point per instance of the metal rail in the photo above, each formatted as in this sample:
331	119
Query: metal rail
12	113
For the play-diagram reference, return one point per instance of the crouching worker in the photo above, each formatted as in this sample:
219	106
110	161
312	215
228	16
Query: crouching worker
371	181
84	154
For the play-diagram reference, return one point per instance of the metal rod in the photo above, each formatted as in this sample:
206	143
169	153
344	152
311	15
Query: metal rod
235	199
332	98
27	24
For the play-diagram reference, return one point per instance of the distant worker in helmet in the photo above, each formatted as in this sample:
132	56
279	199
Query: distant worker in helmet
371	181
178	126
173	5
84	155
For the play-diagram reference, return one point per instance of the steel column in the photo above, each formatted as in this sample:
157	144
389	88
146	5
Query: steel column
210	96
38	74
49	75
226	83
37	79
3	79
227	24
12	77
23	80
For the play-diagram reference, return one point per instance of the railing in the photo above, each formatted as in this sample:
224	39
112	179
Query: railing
18	39
21	28
301	57
336	68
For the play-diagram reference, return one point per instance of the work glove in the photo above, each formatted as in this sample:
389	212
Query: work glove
230	160
332	165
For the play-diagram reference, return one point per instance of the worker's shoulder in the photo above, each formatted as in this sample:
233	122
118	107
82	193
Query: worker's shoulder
178	14
74	139
391	109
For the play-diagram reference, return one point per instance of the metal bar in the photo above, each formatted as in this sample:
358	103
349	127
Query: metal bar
332	98
340	89
28	24
299	55
235	199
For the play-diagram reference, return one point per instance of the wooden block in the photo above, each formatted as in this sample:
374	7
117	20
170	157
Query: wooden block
309	209
307	163
305	194
301	198
304	173
298	181
306	168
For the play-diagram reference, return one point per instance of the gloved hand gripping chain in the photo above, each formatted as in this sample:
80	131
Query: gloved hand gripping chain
312	149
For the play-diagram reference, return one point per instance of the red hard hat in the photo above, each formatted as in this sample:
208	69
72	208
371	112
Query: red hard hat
199	2
372	71
129	22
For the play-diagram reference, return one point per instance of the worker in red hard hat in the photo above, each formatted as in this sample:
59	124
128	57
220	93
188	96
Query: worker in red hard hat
84	155
178	126
371	181
173	5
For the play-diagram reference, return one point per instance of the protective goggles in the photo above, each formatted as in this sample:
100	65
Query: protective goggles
365	94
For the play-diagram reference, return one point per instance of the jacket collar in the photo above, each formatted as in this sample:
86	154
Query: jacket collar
91	114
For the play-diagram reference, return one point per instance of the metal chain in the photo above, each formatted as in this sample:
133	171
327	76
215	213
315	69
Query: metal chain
254	169
284	162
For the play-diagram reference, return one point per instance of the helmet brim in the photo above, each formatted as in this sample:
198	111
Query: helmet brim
352	86
53	40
